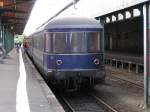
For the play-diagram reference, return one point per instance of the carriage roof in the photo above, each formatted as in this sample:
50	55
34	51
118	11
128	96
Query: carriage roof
73	22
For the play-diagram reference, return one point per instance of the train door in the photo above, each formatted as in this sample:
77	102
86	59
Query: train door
60	49
48	56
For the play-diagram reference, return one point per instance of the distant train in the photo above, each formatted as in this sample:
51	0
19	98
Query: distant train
69	51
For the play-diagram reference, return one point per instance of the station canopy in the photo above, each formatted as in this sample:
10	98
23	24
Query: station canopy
15	13
90	8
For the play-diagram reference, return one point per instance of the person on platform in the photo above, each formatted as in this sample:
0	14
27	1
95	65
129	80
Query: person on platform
17	44
25	46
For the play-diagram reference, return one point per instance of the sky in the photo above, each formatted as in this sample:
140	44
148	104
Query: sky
45	9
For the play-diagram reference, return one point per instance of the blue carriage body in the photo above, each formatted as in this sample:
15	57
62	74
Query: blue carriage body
68	47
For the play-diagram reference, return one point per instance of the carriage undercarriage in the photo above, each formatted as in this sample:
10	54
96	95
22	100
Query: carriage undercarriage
73	81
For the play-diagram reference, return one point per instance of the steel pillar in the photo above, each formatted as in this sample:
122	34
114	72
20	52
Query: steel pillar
1	37
146	28
148	51
102	39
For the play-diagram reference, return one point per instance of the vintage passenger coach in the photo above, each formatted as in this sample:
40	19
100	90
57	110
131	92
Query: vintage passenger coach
70	51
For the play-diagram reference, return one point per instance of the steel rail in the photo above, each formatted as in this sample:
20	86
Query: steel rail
111	109
125	80
68	104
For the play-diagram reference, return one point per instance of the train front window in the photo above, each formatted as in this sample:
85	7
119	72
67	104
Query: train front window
81	42
59	42
78	42
73	42
93	41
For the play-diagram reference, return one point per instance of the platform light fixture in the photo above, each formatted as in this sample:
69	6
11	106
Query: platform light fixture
11	27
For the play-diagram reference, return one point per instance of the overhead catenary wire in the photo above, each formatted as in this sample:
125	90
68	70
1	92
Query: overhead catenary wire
63	9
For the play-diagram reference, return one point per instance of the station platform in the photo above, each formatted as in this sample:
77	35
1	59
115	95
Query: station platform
22	89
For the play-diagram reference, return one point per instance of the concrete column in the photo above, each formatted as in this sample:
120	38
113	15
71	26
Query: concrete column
111	62
129	66
110	18
116	64
137	69
124	15
131	12
146	33
116	16
122	64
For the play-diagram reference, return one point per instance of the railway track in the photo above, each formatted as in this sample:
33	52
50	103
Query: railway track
141	86
106	106
70	108
95	103
86	103
82	103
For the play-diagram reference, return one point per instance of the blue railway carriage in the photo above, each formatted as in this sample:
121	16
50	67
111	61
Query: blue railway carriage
70	51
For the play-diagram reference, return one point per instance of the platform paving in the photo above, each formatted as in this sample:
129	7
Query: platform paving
35	97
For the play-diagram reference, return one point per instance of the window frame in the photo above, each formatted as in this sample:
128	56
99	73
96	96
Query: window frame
68	43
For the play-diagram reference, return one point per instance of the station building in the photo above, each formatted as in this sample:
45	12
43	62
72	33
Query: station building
127	39
127	34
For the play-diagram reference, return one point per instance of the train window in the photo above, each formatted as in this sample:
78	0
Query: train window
78	42
94	41
60	42
35	42
48	42
38	41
